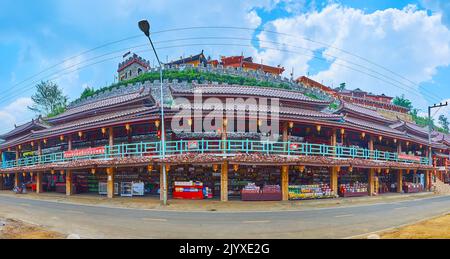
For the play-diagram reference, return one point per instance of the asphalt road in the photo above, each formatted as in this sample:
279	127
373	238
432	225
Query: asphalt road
338	222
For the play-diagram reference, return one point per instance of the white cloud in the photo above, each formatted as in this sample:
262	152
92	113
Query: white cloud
16	112
408	41
253	19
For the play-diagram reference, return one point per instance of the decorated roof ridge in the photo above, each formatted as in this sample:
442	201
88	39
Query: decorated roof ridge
24	127
374	126
103	103
412	126
363	111
241	89
133	59
441	137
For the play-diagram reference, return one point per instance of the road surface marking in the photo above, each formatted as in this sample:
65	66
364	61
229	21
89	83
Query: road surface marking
342	216
255	221
400	208
24	204
153	219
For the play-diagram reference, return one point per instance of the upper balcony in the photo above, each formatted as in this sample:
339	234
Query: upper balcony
219	148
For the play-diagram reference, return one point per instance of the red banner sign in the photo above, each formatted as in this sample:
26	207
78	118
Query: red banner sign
85	152
409	157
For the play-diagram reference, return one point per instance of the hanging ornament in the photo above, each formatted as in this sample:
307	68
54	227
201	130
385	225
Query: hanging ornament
236	167
319	128
157	123
350	169
291	124
301	169
215	167
93	171
61	138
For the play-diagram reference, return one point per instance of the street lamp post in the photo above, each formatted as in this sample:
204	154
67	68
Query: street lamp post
144	26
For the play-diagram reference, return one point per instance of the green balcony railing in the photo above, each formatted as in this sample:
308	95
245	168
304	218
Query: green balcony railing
153	149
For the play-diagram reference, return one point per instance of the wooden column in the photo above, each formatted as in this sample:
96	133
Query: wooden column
224	182
16	179
2	180
285	182
110	182
399	147
334	171
371	177
161	181
69	189
39	188
371	183
334	180
400	181
111	136
69	142
224	134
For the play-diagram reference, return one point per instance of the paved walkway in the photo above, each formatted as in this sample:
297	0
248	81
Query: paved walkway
337	222
212	205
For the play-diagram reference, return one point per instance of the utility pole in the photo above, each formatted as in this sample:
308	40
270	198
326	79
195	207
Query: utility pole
430	127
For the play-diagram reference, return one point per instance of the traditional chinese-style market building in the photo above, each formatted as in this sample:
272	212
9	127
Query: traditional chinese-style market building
110	143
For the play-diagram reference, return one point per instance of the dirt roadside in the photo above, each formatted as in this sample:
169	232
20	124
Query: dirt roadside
436	228
14	229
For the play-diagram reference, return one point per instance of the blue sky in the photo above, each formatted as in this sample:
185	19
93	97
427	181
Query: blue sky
407	42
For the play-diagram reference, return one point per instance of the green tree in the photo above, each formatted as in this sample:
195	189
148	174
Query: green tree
443	121
342	87
49	99
88	91
403	102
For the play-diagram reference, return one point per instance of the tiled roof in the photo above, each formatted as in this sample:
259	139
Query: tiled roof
94	121
372	125
239	90
363	111
103	103
412	126
34	124
283	110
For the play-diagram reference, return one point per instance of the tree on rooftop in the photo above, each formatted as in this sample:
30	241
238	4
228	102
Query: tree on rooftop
342	87
443	121
403	102
49	99
88	91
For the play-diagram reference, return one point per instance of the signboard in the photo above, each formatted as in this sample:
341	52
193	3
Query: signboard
409	157
84	152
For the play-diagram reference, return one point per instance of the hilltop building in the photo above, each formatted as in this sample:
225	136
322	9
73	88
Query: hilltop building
132	67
